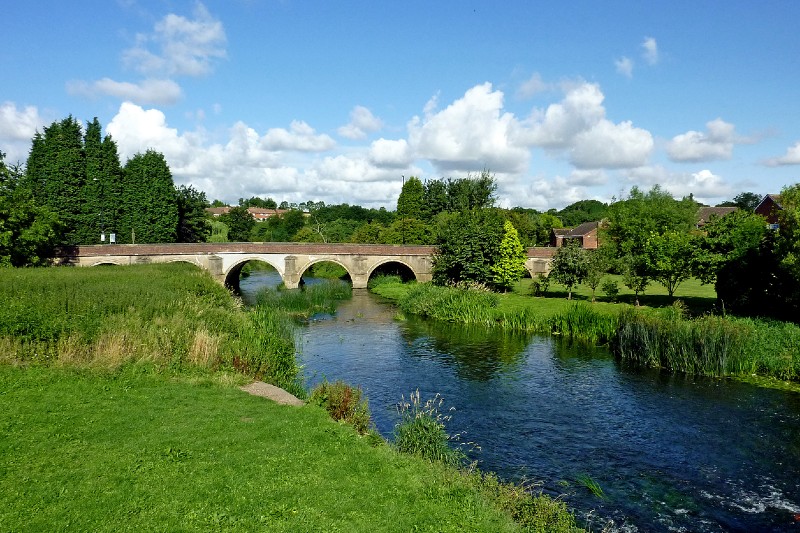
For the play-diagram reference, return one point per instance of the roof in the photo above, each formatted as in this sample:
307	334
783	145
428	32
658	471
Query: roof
704	214
583	229
775	198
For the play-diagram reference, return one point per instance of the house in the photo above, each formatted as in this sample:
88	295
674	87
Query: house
705	214
259	214
585	235
768	208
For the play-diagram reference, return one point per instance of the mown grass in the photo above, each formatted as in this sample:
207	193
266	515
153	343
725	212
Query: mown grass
667	337
134	451
119	414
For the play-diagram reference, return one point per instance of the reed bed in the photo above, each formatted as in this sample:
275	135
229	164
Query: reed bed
311	299
170	316
709	345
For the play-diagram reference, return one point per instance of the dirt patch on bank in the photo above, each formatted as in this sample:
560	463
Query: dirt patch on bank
276	394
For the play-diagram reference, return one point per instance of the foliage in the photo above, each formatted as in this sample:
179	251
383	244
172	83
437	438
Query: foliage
468	244
409	203
422	432
635	274
255	201
240	222
669	258
317	298
611	289
727	240
510	263
583	211
344	403
460	194
149	204
193	223
631	222
219	231
596	268
570	266
28	231
540	285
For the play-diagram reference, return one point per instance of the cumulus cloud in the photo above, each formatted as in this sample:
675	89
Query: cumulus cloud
362	121
791	157
184	46
17	127
650	50
706	186
532	86
299	137
624	66
715	143
389	153
472	133
148	91
578	127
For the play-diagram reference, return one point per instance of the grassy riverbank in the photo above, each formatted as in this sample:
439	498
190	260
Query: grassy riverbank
119	411
666	337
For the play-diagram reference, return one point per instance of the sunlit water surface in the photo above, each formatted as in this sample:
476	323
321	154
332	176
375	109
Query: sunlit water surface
670	453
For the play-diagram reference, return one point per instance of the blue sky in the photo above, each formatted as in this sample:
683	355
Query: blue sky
337	101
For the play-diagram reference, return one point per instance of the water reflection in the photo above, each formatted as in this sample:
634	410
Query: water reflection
671	453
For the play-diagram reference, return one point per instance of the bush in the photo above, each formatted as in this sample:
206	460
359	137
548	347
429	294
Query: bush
421	431
540	285
344	403
611	289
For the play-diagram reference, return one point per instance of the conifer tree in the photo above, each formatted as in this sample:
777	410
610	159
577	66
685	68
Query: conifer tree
510	263
150	210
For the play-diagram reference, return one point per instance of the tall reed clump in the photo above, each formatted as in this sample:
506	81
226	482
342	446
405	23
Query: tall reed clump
173	317
470	305
311	299
708	345
421	431
344	403
580	321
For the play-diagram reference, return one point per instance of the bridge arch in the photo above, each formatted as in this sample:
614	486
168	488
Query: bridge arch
407	272
107	262
303	268
231	275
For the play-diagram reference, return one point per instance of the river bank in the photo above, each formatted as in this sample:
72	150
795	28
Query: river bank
665	338
127	378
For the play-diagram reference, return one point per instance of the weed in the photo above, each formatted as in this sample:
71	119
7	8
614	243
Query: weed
344	403
421	431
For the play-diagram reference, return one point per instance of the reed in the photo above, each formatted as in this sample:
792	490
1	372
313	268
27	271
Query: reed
311	299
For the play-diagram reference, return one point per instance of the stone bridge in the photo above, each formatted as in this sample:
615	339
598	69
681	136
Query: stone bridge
225	260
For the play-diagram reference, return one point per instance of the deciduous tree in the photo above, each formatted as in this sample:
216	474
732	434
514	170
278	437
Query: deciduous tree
570	266
509	266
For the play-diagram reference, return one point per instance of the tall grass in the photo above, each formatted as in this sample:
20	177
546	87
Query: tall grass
709	345
311	299
422	432
171	317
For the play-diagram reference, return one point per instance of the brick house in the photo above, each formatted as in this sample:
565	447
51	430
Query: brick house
705	214
768	208
585	235
259	214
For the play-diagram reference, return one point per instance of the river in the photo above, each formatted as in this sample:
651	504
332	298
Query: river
670	453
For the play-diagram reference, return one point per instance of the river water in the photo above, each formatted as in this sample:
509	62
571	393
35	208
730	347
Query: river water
670	453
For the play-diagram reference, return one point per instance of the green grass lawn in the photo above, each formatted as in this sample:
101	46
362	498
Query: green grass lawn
132	451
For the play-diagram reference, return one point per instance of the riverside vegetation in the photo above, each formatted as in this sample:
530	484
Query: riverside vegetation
668	338
118	395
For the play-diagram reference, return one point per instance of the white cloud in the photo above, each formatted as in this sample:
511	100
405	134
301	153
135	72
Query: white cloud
362	121
389	153
472	133
17	128
587	178
300	137
650	50
791	157
532	86
624	66
147	91
542	193
706	186
185	47
714	144
578	127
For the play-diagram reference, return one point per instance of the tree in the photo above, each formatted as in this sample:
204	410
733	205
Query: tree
240	222
570	266
725	240
669	258
510	264
150	208
409	203
596	268
631	222
28	231
747	201
407	231
635	275
193	222
468	245
583	211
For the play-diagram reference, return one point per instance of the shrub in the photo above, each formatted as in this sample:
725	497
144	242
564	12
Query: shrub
540	285
611	289
344	403
421	431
